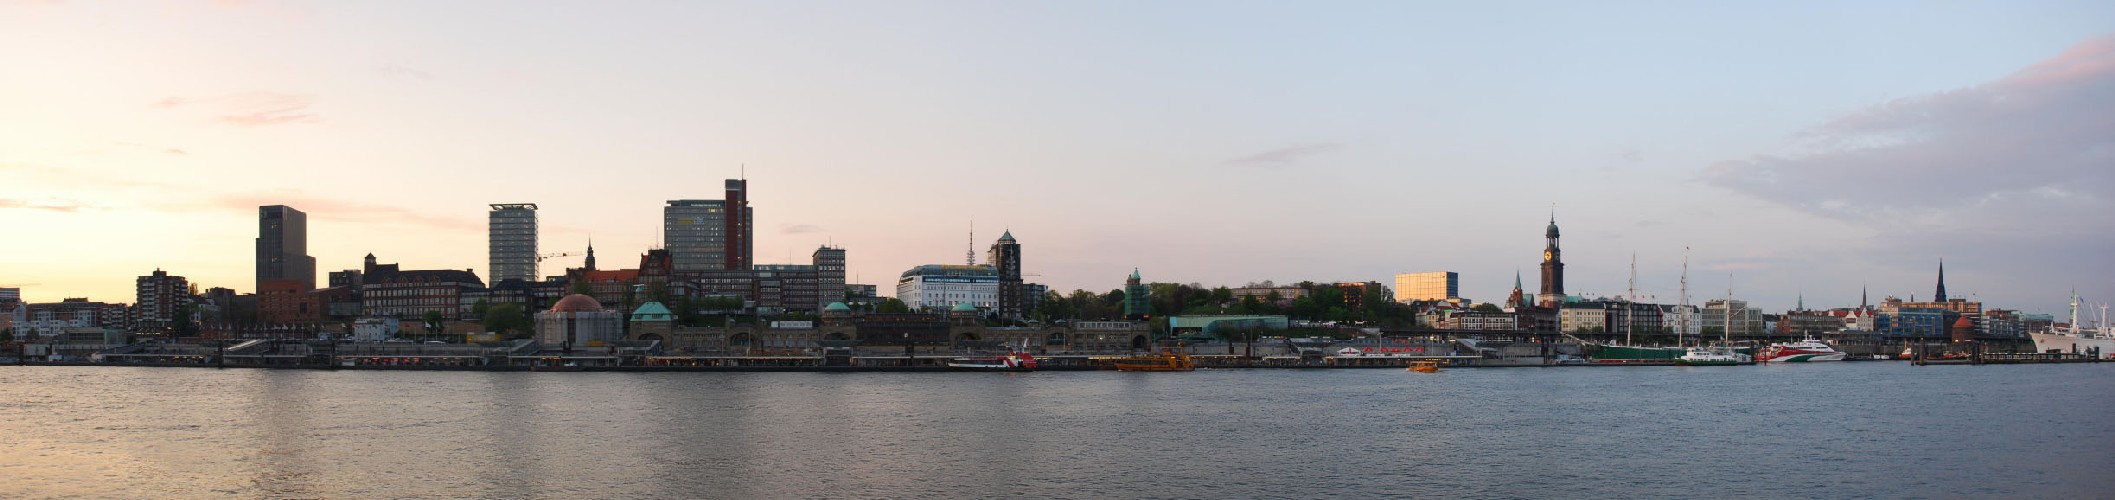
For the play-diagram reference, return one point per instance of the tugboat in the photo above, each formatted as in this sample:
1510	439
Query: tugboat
1425	366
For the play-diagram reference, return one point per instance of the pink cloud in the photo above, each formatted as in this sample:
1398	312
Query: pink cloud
2045	127
336	209
252	108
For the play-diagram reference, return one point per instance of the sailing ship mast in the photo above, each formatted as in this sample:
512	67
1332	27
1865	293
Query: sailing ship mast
1629	323
1682	320
1727	334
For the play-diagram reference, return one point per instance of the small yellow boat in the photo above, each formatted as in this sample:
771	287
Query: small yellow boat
1425	366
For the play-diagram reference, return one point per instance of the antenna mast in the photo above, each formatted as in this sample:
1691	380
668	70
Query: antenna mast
969	256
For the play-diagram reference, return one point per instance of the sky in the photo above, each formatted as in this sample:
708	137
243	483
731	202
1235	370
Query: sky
1786	150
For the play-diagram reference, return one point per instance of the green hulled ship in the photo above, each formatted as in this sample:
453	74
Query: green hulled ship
1625	353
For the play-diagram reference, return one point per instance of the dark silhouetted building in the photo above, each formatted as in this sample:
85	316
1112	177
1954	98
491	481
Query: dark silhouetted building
282	246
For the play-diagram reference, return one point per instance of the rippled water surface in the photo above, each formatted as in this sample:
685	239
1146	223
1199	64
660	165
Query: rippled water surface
1825	430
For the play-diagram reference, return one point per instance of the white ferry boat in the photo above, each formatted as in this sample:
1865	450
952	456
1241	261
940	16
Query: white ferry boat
1803	351
1704	356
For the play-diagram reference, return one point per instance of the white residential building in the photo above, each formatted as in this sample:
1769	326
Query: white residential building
940	287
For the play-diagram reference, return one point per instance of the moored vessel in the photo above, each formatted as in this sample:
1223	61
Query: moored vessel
1159	362
1701	356
1804	351
2098	341
1015	362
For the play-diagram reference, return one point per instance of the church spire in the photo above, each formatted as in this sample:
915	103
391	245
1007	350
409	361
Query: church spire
591	254
1940	295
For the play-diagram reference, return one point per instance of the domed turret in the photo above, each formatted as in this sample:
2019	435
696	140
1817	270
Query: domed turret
577	303
965	307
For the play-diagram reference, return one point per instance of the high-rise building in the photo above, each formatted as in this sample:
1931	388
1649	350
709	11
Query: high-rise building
1552	269
282	246
1432	286
710	235
1005	256
512	239
741	237
830	275
160	301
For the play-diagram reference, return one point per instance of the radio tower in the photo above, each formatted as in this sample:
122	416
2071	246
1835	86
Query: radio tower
969	256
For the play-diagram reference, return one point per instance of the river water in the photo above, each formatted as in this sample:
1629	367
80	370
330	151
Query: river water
1868	429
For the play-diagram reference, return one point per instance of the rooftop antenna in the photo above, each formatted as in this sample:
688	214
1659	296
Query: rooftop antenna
969	255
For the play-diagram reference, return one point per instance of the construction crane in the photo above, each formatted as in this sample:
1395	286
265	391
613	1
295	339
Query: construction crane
540	258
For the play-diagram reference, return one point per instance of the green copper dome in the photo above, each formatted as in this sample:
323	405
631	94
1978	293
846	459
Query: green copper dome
653	311
965	307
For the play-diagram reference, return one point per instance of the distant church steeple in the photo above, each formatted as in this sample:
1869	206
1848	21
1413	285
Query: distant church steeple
591	255
1940	296
1517	299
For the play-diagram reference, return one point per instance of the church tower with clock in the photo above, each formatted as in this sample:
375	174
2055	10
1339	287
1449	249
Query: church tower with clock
1552	294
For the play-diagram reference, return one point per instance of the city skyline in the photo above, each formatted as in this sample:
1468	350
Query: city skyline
1186	140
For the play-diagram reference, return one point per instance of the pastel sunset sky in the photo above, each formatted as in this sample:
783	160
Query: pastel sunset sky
1793	147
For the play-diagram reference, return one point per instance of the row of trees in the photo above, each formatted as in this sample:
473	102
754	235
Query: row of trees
1321	302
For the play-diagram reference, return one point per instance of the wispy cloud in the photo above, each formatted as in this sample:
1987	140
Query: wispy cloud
251	109
48	204
394	70
1284	156
799	228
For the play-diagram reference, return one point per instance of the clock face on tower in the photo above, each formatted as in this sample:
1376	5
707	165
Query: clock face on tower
1547	255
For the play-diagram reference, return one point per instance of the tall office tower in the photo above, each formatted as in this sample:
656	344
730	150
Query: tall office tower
710	235
513	242
829	275
282	247
1432	286
160	300
1006	257
741	236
